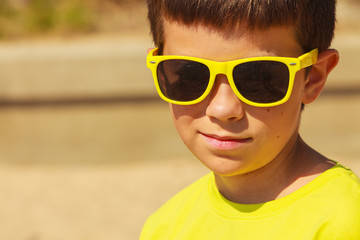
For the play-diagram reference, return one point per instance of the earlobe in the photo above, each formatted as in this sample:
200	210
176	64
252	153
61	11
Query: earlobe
327	61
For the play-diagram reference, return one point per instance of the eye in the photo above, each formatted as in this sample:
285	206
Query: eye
192	71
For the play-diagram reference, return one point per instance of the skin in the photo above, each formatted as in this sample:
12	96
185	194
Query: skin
256	153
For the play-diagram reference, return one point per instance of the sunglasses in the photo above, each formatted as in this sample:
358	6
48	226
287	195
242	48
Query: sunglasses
258	81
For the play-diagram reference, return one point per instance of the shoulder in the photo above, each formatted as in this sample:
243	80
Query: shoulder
342	186
347	186
343	194
186	197
344	181
334	195
170	216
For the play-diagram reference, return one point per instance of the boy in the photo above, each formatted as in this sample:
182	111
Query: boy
237	74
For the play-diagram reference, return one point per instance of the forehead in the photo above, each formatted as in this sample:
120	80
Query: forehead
203	41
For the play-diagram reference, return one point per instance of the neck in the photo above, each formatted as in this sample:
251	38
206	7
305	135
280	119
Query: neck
293	168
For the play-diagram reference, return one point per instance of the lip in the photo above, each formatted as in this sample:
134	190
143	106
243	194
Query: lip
224	142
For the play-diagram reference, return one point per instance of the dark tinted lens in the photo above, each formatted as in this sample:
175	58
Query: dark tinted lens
262	81
182	80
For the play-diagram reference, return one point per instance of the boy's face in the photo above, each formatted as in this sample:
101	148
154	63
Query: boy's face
227	135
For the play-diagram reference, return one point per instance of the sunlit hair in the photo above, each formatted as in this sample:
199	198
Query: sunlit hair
313	20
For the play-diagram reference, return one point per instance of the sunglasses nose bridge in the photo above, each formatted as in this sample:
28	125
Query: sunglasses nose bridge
220	68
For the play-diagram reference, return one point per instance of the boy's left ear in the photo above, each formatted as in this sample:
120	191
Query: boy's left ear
327	61
149	50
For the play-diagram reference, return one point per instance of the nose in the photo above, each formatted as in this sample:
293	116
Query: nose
223	104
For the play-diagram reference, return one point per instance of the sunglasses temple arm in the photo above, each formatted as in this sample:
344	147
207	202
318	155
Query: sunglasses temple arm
308	59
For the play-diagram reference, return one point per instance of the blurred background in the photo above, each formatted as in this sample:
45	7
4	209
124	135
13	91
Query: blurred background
87	150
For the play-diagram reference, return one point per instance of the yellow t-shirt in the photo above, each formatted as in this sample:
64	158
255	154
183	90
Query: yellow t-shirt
327	208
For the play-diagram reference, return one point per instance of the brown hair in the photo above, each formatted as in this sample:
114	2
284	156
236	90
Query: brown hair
313	20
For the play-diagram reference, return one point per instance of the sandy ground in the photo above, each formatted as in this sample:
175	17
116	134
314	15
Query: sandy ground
96	171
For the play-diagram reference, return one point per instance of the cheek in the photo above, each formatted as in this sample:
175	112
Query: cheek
299	87
284	120
281	122
183	118
180	112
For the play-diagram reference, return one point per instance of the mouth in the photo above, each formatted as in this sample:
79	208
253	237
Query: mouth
224	142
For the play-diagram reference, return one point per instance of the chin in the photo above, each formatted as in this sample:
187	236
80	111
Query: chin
226	167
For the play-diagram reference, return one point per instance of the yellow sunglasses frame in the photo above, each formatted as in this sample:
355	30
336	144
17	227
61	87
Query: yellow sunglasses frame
226	68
